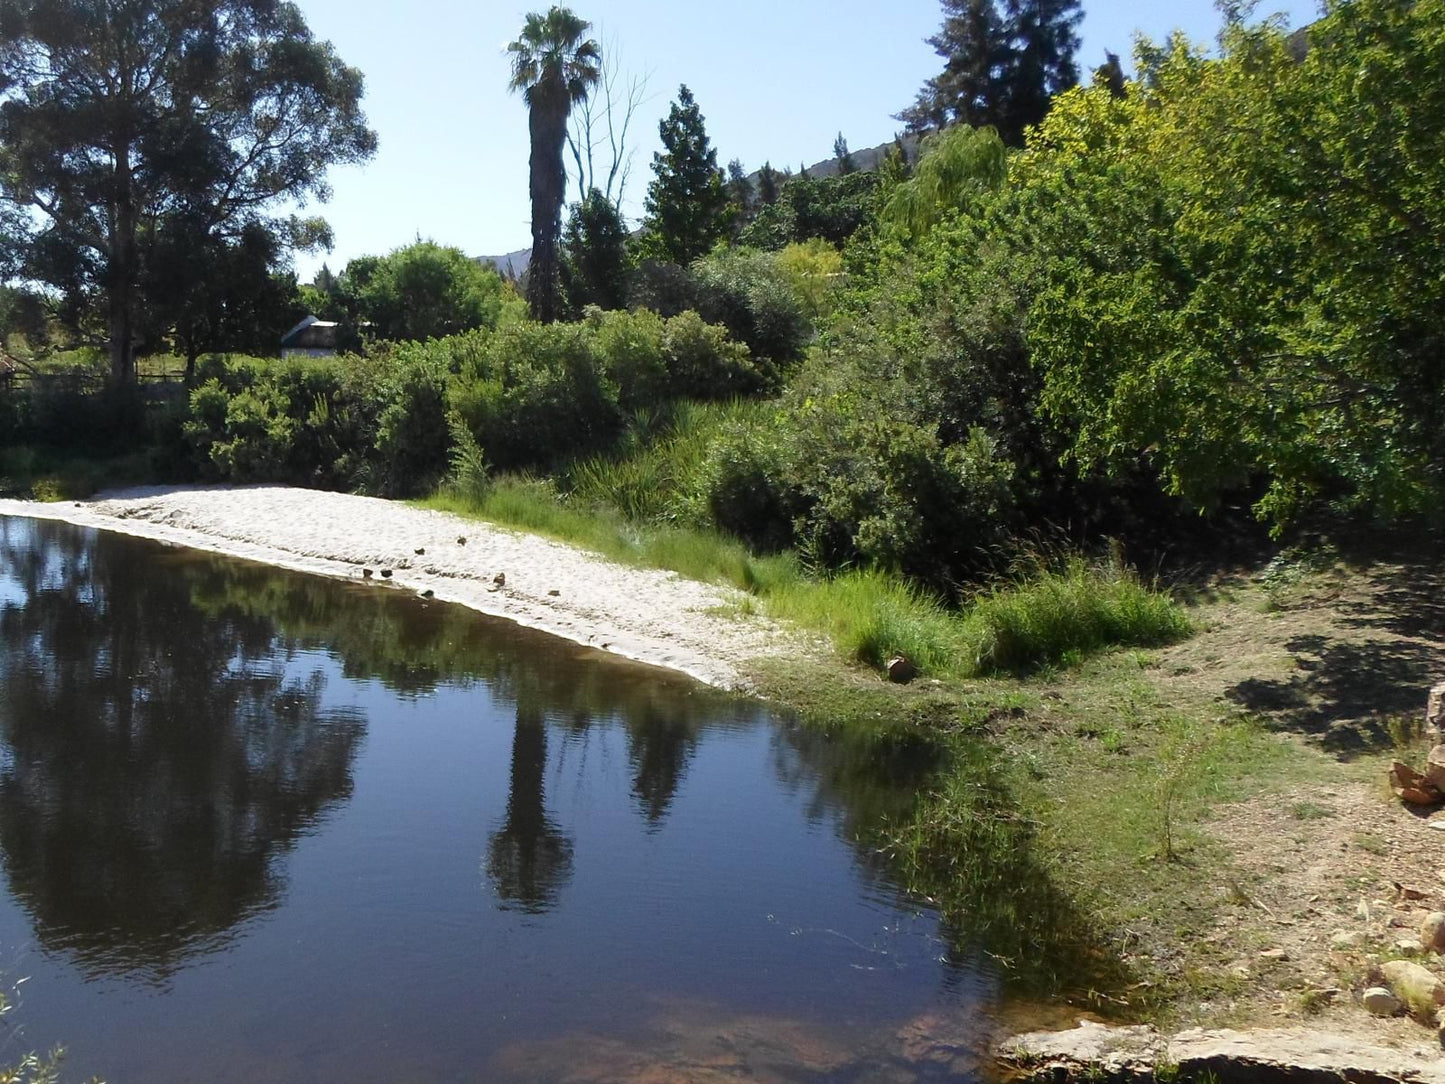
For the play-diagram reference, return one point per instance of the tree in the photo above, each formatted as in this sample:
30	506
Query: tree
116	116
600	128
844	156
594	254
1001	68
215	294
427	291
686	201
554	67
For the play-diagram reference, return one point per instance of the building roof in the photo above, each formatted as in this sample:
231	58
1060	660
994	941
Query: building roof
312	334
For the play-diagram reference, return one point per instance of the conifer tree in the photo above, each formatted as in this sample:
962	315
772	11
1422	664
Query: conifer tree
1002	65
686	202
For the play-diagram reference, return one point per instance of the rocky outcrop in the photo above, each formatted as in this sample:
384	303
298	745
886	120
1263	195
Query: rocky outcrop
1133	1054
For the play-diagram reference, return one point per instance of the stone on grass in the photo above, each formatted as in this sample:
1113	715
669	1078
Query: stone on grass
901	670
1419	989
1378	1001
1410	786
1432	932
1346	939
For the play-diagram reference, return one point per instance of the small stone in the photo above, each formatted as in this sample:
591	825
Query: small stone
554	592
1380	1002
1277	954
1418	988
1412	787
1407	946
1408	893
367	573
901	670
386	573
461	540
420	551
428	593
1435	767
1432	932
1346	939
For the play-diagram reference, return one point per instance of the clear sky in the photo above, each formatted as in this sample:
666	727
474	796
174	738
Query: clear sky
776	80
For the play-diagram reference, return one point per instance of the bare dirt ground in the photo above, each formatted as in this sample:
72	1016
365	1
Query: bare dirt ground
1323	874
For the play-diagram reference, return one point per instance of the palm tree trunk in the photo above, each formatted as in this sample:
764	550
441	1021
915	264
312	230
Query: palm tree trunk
548	126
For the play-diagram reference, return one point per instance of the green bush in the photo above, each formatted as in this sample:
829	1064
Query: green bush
703	363
537	394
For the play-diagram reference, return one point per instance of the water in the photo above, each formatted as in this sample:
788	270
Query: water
262	826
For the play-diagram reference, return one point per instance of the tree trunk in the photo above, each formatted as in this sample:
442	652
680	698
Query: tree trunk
548	126
121	274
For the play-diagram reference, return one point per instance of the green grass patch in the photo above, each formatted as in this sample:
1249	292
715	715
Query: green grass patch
534	505
1057	616
34	474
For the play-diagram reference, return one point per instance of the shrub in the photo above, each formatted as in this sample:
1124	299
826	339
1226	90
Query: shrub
748	292
703	363
536	394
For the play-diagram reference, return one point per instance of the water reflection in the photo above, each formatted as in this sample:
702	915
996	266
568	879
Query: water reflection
529	859
157	758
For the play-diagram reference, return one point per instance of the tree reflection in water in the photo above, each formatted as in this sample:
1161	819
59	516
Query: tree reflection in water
529	859
157	758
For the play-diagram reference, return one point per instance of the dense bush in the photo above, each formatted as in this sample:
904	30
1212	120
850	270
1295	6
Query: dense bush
747	291
341	423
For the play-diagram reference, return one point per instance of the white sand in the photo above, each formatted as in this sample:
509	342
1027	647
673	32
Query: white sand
653	617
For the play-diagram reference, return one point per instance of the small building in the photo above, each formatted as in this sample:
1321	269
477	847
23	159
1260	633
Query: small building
311	338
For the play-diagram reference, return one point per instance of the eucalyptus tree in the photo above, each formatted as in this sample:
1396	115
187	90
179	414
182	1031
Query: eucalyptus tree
554	67
118	118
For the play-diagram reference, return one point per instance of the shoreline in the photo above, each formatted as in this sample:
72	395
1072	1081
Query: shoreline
647	616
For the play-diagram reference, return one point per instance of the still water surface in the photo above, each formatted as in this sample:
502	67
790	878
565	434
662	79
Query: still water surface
258	826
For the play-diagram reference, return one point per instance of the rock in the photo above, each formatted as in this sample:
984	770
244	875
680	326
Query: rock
1278	954
1409	785
1378	1001
1435	709
1093	1052
386	573
499	581
1407	946
428	593
1418	988
1435	767
1432	932
367	573
554	592
420	551
461	540
900	670
1346	939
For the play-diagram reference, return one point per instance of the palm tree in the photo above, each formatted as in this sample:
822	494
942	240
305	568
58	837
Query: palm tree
554	68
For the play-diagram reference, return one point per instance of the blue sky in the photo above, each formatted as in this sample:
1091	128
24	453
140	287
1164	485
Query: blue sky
775	79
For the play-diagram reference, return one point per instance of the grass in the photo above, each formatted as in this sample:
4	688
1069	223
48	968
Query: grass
1055	616
53	476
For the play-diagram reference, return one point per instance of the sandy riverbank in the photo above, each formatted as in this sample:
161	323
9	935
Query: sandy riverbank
650	616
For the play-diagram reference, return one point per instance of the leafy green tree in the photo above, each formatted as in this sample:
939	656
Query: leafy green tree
554	67
594	254
116	116
959	166
1001	67
843	155
830	208
686	202
211	294
769	184
426	291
